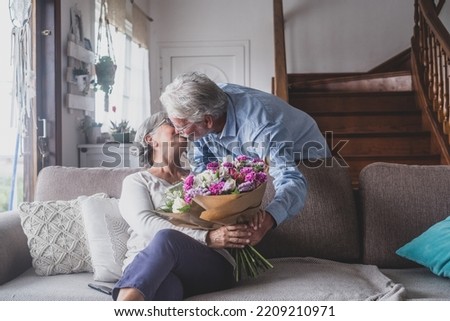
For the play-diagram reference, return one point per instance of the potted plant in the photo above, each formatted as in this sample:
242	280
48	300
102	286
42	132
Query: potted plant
82	79
105	70
91	129
121	131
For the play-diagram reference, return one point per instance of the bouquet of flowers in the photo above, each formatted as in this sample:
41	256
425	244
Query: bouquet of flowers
225	193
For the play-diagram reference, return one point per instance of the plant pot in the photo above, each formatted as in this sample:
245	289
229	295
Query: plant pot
105	72
121	137
93	135
82	82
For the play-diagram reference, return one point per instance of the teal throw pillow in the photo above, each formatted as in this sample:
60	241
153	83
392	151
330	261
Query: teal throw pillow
431	248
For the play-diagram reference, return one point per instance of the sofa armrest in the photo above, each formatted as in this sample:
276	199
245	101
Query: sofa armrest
14	253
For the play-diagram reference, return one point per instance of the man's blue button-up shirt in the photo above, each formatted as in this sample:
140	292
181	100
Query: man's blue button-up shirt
261	125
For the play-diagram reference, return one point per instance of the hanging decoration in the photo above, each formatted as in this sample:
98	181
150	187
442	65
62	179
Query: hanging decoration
21	55
23	78
105	66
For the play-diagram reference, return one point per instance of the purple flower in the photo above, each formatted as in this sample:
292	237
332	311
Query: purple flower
246	170
188	182
213	166
227	165
216	188
243	158
246	187
250	177
261	177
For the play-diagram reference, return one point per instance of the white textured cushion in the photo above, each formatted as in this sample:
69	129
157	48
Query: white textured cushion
107	235
56	237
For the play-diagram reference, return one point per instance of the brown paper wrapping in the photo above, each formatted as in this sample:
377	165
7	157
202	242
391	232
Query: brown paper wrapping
214	211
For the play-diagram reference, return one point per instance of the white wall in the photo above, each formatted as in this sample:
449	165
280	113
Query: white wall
345	35
321	35
445	15
71	135
215	20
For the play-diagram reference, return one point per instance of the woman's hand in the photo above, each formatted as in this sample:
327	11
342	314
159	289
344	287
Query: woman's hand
235	236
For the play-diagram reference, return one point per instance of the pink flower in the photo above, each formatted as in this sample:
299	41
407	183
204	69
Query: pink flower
216	188
243	158
213	166
227	165
250	177
246	170
246	187
261	178
189	181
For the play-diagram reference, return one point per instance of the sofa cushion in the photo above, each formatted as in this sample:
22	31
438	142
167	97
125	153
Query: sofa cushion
64	287
327	227
14	253
107	236
398	203
56	236
66	183
431	248
311	279
420	283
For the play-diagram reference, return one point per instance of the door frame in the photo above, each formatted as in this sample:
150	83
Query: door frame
48	75
46	42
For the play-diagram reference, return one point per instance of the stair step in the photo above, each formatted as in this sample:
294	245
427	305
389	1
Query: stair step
350	122
385	143
343	76
369	82
353	101
358	162
298	77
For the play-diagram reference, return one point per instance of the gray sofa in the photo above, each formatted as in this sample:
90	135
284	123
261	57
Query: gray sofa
341	247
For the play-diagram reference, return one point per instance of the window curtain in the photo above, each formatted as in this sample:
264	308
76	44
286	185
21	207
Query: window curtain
140	23
121	10
117	13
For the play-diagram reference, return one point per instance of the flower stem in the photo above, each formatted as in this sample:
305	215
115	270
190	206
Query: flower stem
262	259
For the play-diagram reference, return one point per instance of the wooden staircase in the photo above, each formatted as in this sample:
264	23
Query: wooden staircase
374	114
377	116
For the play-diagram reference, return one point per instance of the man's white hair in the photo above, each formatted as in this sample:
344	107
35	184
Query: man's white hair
192	95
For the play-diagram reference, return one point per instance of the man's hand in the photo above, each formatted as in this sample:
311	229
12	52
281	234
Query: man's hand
259	226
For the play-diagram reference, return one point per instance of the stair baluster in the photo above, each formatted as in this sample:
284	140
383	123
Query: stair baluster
430	66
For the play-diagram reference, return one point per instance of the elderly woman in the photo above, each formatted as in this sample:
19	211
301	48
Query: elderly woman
164	261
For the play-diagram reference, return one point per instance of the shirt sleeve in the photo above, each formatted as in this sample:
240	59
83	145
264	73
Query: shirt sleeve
289	183
199	155
135	206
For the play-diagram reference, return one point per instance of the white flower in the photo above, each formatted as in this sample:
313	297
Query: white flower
230	185
178	204
205	179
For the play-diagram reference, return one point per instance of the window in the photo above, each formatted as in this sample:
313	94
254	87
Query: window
11	160
130	96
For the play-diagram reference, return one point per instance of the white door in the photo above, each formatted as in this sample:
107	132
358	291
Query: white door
224	61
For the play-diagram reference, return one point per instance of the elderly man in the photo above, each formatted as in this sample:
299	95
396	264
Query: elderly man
226	120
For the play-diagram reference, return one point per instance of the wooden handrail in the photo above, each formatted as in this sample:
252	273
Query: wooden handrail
430	13
431	70
281	79
439	6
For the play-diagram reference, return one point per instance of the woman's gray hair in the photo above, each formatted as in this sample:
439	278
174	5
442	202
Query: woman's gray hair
140	148
149	125
192	95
